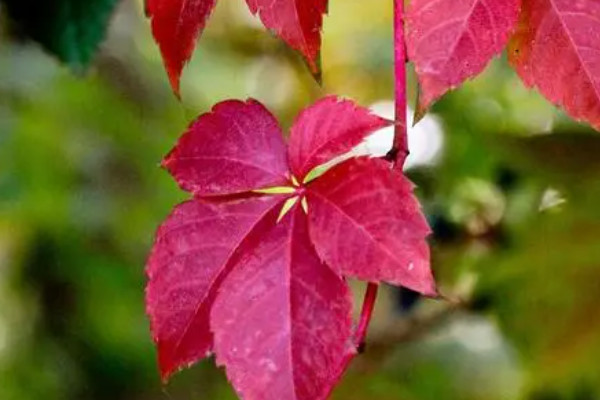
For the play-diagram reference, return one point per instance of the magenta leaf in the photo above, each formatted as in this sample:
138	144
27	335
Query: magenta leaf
328	128
176	24
188	261
556	48
450	41
366	223
250	276
235	148
297	22
282	319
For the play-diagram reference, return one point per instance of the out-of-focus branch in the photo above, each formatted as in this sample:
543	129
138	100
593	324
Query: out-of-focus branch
407	329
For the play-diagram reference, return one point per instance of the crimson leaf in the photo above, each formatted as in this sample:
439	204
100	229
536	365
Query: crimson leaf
299	312
366	223
187	263
218	156
450	41
557	49
329	128
230	272
298	22
176	24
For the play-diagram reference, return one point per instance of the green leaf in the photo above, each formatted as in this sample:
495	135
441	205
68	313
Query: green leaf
72	30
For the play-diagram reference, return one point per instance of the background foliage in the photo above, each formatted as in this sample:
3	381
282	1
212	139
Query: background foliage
512	196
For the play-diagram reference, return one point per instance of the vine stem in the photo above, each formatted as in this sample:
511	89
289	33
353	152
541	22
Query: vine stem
399	151
396	156
361	330
365	316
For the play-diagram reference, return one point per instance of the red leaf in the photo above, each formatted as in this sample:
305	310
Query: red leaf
235	148
225	273
282	318
328	128
450	41
176	24
188	261
556	48
366	223
298	22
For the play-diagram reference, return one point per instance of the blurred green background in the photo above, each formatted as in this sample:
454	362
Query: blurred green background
510	185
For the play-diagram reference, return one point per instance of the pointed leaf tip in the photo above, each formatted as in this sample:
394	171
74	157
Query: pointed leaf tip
297	22
176	24
316	69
